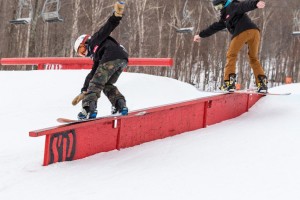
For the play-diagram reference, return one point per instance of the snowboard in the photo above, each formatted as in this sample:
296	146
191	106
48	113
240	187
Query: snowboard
72	121
253	92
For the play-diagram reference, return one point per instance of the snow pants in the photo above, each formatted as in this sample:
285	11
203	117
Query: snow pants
103	80
250	37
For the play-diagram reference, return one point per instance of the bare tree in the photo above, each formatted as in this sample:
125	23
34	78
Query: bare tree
74	31
147	30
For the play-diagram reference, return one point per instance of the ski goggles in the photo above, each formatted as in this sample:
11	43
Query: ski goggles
219	6
82	47
81	50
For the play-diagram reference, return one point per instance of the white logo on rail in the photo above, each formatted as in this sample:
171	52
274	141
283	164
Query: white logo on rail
53	66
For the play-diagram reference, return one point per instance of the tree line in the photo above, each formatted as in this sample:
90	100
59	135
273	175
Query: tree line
148	29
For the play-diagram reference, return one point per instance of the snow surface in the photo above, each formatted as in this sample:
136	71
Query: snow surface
255	156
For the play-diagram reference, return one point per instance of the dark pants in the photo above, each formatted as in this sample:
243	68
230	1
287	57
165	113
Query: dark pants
106	75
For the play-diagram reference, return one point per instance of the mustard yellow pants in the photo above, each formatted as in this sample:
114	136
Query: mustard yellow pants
250	37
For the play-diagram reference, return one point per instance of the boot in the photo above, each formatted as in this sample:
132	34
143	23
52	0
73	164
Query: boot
82	115
262	85
87	115
229	85
88	112
120	107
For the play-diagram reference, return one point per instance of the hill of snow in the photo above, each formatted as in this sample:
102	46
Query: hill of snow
254	156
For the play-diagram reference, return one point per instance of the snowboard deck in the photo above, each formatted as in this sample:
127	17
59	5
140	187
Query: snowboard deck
253	92
72	121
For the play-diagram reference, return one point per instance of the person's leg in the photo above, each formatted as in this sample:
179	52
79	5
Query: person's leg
116	98
113	94
96	85
235	46
110	90
253	47
229	73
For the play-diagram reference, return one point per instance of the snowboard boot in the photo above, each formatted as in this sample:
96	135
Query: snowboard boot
229	85
120	107
88	112
262	85
86	115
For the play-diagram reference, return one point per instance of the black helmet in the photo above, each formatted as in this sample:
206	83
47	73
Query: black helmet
217	2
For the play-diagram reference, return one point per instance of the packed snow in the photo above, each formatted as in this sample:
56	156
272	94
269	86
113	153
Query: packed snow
254	156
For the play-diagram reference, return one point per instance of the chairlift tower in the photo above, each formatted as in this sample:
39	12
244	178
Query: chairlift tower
24	13
50	11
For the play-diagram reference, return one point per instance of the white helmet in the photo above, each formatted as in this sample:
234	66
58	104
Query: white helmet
81	40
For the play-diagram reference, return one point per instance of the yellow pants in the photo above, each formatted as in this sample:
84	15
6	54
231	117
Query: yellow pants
252	38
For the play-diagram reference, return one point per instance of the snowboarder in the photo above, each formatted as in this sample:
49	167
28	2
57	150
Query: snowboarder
109	60
244	31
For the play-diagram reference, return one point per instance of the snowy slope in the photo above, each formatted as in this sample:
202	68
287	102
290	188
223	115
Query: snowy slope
254	156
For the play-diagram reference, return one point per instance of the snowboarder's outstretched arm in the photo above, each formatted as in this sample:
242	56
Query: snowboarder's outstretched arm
110	24
212	29
105	30
246	6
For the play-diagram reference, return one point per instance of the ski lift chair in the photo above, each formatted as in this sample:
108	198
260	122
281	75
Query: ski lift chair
185	30
296	33
50	11
296	23
24	13
182	30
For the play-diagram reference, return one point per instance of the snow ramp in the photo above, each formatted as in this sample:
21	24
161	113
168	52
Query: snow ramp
79	140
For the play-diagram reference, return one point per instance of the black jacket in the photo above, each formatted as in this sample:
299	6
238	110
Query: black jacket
234	18
103	48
